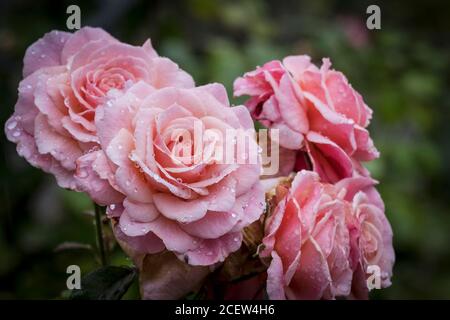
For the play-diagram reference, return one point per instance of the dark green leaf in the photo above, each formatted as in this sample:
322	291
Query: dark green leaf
107	283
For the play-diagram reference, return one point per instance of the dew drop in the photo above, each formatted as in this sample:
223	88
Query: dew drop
12	125
82	174
16	133
236	239
128	182
112	207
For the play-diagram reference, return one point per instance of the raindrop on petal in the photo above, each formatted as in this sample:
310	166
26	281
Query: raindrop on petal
12	125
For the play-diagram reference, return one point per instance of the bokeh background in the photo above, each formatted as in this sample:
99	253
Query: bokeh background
401	70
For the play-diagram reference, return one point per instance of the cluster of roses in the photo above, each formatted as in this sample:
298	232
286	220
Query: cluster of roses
101	116
328	227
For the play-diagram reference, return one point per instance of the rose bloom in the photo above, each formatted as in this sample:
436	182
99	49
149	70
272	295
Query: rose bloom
66	77
321	243
370	233
316	111
192	205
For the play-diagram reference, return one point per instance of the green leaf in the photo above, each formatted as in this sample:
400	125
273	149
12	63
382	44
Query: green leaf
107	283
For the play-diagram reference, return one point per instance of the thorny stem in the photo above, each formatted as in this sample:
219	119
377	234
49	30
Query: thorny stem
99	234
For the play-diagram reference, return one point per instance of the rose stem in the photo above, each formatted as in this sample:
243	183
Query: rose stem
99	229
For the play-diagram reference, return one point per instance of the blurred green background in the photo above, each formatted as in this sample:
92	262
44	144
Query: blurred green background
401	70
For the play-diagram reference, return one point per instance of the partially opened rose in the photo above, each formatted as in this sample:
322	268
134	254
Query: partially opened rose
308	241
317	112
66	77
177	196
370	232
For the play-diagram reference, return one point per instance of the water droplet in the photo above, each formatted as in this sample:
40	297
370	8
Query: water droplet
42	56
235	239
33	52
12	125
128	182
112	207
82	174
233	215
16	133
179	180
135	190
120	147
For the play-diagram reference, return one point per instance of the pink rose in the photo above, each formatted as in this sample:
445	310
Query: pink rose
316	111
370	233
191	205
323	238
66	77
309	242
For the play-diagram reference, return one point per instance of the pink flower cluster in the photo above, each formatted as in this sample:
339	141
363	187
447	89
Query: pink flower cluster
328	229
101	115
112	120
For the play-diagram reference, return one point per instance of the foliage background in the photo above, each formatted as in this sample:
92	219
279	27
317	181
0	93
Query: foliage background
402	71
